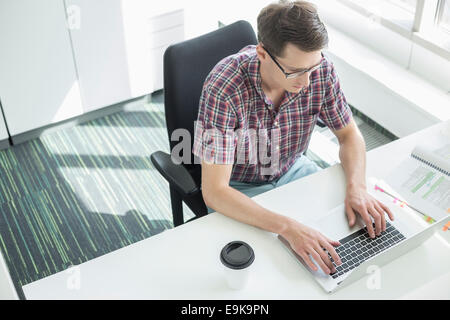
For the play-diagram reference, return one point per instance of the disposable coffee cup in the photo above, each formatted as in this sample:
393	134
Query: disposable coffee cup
237	257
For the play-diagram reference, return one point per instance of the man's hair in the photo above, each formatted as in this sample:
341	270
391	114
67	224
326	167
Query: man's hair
294	22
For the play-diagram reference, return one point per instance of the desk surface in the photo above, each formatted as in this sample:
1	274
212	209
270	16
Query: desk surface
183	263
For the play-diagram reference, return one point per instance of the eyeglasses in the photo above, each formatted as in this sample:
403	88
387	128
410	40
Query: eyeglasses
291	75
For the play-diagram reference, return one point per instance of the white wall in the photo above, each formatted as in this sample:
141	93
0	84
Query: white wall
234	10
430	66
376	100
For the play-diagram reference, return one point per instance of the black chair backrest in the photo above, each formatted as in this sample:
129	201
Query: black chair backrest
186	66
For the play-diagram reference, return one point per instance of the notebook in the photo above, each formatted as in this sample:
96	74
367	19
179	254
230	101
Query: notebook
423	181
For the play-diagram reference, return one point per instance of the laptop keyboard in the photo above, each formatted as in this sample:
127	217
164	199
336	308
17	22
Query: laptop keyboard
358	247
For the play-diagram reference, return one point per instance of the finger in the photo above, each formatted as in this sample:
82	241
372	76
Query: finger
331	251
368	221
387	210
319	260
333	242
377	219
325	258
307	260
351	216
381	213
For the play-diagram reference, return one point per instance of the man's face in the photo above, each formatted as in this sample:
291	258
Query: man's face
292	60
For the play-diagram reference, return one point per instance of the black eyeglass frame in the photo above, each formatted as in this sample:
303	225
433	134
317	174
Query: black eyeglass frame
291	75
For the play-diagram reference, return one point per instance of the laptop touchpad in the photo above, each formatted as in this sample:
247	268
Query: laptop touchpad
334	224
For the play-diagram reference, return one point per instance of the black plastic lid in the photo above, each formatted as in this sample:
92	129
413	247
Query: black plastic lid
237	255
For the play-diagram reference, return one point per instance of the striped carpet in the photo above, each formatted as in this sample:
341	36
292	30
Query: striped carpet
78	193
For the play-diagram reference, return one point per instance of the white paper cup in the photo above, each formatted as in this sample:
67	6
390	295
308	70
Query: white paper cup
237	257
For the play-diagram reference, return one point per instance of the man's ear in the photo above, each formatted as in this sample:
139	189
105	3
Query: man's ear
261	53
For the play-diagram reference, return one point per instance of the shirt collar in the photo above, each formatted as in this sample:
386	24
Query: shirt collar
255	76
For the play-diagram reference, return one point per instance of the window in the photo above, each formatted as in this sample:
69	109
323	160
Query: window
444	15
397	12
407	5
427	22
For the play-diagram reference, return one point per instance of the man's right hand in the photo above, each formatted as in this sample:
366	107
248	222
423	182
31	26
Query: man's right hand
307	242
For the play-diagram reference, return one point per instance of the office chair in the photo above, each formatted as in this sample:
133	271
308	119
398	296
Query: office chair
186	66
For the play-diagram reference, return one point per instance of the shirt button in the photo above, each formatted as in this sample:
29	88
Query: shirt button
276	123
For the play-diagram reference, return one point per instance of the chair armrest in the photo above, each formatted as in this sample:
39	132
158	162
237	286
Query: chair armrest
176	174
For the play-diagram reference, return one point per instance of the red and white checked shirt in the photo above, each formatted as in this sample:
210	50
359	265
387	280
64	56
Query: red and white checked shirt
234	110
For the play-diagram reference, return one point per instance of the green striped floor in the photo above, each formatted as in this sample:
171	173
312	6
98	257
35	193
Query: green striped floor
78	193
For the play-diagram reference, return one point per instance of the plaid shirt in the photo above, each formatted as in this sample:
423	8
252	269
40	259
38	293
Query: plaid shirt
237	123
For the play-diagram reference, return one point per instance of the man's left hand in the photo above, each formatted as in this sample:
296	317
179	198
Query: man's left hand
358	201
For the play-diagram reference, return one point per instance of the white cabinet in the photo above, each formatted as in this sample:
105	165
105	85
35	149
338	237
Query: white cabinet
38	82
100	53
118	48
164	30
62	58
150	27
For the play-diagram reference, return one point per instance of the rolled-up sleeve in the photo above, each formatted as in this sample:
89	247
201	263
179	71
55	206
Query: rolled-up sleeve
214	137
335	111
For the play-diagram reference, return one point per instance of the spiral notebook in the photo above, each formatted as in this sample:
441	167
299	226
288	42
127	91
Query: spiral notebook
423	180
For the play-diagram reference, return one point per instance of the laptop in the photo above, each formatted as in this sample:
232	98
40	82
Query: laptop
358	251
7	289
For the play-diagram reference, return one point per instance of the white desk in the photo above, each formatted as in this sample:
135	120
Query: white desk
183	263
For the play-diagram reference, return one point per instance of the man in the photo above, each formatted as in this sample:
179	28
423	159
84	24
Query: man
277	90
